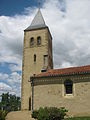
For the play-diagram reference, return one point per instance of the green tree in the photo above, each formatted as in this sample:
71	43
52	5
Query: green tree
10	102
5	101
2	115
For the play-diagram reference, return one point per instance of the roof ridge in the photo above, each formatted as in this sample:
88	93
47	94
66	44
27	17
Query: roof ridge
69	68
66	71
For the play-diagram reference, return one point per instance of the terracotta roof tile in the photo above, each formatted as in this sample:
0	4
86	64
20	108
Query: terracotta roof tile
65	71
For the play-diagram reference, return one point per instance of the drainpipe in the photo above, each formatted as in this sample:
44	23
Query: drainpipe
32	84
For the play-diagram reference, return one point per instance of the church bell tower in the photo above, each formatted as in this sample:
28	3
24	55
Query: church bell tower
37	55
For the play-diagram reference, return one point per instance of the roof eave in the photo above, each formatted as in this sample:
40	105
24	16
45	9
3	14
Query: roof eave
35	29
32	77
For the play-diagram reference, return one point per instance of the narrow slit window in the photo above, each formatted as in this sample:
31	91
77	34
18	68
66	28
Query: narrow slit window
45	60
34	58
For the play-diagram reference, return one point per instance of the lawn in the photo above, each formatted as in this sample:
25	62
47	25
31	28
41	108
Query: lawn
78	118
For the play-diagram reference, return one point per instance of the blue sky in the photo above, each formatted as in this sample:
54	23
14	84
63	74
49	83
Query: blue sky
69	23
12	7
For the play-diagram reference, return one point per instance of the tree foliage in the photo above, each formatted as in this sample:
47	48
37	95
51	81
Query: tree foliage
3	114
10	102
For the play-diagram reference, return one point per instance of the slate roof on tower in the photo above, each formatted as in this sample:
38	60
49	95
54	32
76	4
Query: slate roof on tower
37	23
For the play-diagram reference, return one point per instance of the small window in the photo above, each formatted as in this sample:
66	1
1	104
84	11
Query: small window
34	58
39	40
45	60
31	41
68	87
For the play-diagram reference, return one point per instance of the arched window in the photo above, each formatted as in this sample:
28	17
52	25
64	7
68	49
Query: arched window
39	40
31	41
68	87
34	58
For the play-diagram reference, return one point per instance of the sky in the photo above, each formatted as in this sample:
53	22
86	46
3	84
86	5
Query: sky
69	23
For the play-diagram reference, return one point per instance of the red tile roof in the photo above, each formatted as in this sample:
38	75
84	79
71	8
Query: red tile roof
65	71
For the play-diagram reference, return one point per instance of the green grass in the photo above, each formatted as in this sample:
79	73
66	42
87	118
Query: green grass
78	118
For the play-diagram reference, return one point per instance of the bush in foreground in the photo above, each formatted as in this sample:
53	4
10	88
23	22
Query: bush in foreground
2	115
49	113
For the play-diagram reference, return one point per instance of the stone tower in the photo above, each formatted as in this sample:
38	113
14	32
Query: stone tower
37	55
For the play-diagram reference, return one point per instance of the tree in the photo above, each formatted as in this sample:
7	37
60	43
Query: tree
5	101
10	102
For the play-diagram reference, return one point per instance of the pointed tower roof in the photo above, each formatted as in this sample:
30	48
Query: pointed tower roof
38	22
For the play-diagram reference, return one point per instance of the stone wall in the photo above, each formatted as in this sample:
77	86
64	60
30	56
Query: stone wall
19	115
51	92
29	66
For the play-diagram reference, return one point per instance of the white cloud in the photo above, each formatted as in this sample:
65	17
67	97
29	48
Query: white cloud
14	78
10	83
15	68
69	27
71	32
4	86
3	76
11	38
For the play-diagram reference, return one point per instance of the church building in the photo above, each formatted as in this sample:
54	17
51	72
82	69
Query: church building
44	86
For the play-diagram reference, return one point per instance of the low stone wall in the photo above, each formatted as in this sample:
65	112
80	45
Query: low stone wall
19	115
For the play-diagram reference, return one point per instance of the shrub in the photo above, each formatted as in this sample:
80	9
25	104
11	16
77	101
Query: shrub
49	113
2	115
54	114
43	114
63	112
35	114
